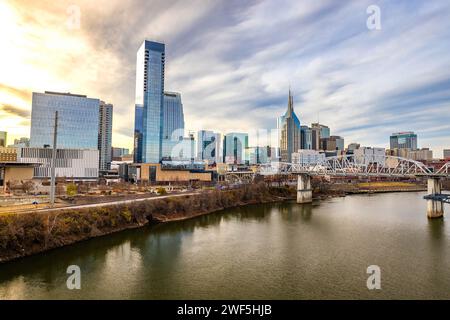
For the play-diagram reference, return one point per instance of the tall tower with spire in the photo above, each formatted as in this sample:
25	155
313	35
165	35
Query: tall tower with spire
289	132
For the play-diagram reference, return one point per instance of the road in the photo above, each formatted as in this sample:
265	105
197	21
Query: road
113	203
95	205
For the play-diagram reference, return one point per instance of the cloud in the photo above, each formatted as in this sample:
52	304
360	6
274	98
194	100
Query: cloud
233	62
15	111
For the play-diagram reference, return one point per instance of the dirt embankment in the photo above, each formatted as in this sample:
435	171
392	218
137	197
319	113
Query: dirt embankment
30	233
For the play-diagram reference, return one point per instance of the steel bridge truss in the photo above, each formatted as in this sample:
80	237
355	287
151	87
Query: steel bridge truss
351	165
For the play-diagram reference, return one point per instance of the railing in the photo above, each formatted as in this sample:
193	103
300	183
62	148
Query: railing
351	165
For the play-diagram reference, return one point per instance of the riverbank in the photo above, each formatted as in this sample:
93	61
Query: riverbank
35	232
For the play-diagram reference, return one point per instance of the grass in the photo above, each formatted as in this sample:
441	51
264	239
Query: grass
385	184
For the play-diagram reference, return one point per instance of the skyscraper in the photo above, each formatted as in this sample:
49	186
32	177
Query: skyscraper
138	128
404	140
3	136
150	62
289	132
173	123
306	138
235	148
78	120
324	130
208	146
105	135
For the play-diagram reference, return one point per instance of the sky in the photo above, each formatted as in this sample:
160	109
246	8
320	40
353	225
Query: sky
234	61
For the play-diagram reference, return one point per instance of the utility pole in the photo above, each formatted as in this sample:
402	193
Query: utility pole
52	182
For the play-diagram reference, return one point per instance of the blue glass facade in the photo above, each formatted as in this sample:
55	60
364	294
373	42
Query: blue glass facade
235	148
173	124
138	128
289	132
150	94
78	120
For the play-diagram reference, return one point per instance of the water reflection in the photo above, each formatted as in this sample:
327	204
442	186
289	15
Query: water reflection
281	250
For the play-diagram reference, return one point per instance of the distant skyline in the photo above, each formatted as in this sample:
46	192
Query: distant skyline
233	62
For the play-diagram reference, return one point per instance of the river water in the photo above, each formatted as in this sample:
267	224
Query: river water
271	251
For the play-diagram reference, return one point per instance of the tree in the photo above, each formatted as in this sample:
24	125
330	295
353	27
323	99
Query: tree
27	186
71	189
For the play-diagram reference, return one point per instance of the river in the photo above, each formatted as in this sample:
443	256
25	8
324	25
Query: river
270	251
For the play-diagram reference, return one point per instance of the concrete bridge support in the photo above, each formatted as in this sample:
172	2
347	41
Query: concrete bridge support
435	208
304	191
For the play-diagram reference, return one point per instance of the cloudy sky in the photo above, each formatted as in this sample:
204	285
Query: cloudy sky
233	62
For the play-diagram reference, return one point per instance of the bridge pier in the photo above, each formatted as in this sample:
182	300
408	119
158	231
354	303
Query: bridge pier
304	191
435	209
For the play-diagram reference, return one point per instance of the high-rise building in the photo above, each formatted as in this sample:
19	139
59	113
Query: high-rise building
324	130
173	124
3	136
446	153
289	132
307	138
22	142
404	140
353	146
235	148
315	138
150	62
332	143
209	146
119	152
78	120
138	129
308	157
105	135
259	155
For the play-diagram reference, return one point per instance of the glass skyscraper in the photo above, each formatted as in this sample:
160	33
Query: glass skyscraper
289	131
78	120
150	62
138	128
105	135
208	145
235	148
173	124
404	140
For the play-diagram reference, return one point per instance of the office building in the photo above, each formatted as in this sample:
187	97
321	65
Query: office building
353	146
119	152
306	138
150	63
446	153
332	143
105	136
324	130
78	120
289	132
315	138
138	132
209	146
259	155
308	157
22	142
173	123
77	164
3	138
403	140
424	154
235	148
367	155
